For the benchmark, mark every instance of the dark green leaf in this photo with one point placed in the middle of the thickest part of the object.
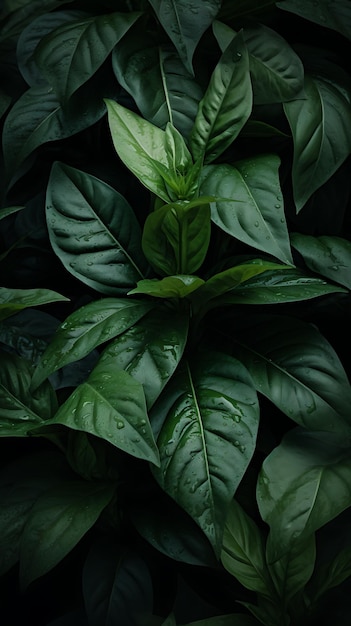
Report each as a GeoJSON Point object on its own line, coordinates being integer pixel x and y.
{"type": "Point", "coordinates": [293, 570]}
{"type": "Point", "coordinates": [320, 125]}
{"type": "Point", "coordinates": [294, 366]}
{"type": "Point", "coordinates": [14, 23]}
{"type": "Point", "coordinates": [5, 100]}
{"type": "Point", "coordinates": [243, 553]}
{"type": "Point", "coordinates": [209, 413]}
{"type": "Point", "coordinates": [14, 300]}
{"type": "Point", "coordinates": [326, 255]}
{"type": "Point", "coordinates": [73, 52]}
{"type": "Point", "coordinates": [243, 8]}
{"type": "Point", "coordinates": [85, 329]}
{"type": "Point", "coordinates": [150, 350]}
{"type": "Point", "coordinates": [93, 231]}
{"type": "Point", "coordinates": [304, 483]}
{"type": "Point", "coordinates": [185, 22]}
{"type": "Point", "coordinates": [9, 211]}
{"type": "Point", "coordinates": [110, 405]}
{"type": "Point", "coordinates": [335, 15]}
{"type": "Point", "coordinates": [226, 105]}
{"type": "Point", "coordinates": [234, 619]}
{"type": "Point", "coordinates": [250, 204]}
{"type": "Point", "coordinates": [57, 522]}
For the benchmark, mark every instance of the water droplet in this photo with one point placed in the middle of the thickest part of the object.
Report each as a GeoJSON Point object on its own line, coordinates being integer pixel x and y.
{"type": "Point", "coordinates": [257, 224]}
{"type": "Point", "coordinates": [120, 424]}
{"type": "Point", "coordinates": [237, 418]}
{"type": "Point", "coordinates": [277, 206]}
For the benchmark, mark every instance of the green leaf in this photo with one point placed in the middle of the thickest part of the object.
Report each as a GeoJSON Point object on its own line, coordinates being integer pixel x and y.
{"type": "Point", "coordinates": [210, 418]}
{"type": "Point", "coordinates": [226, 105]}
{"type": "Point", "coordinates": [243, 8]}
{"type": "Point", "coordinates": [110, 405]}
{"type": "Point", "coordinates": [150, 350]}
{"type": "Point", "coordinates": [85, 329]}
{"type": "Point", "coordinates": [294, 366]}
{"type": "Point", "coordinates": [303, 484]}
{"type": "Point", "coordinates": [293, 570]}
{"type": "Point", "coordinates": [14, 23]}
{"type": "Point", "coordinates": [250, 204]}
{"type": "Point", "coordinates": [185, 22]}
{"type": "Point", "coordinates": [320, 125]}
{"type": "Point", "coordinates": [243, 553]}
{"type": "Point", "coordinates": [9, 211]}
{"type": "Point", "coordinates": [14, 300]}
{"type": "Point", "coordinates": [57, 522]}
{"type": "Point", "coordinates": [176, 236]}
{"type": "Point", "coordinates": [94, 231]}
{"type": "Point", "coordinates": [73, 52]}
{"type": "Point", "coordinates": [286, 285]}
{"type": "Point", "coordinates": [155, 77]}
{"type": "Point", "coordinates": [277, 72]}
{"type": "Point", "coordinates": [5, 101]}
{"type": "Point", "coordinates": [20, 409]}
{"type": "Point", "coordinates": [334, 15]}
{"type": "Point", "coordinates": [234, 619]}
{"type": "Point", "coordinates": [138, 144]}
{"type": "Point", "coordinates": [326, 255]}
{"type": "Point", "coordinates": [170, 287]}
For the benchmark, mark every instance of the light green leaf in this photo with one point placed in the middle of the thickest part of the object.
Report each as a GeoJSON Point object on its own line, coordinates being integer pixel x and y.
{"type": "Point", "coordinates": [73, 52]}
{"type": "Point", "coordinates": [294, 366]}
{"type": "Point", "coordinates": [320, 125]}
{"type": "Point", "coordinates": [326, 255]}
{"type": "Point", "coordinates": [226, 105]}
{"type": "Point", "coordinates": [170, 287]}
{"type": "Point", "coordinates": [110, 405]}
{"type": "Point", "coordinates": [250, 203]}
{"type": "Point", "coordinates": [14, 300]}
{"type": "Point", "coordinates": [150, 350]}
{"type": "Point", "coordinates": [303, 484]}
{"type": "Point", "coordinates": [185, 22]}
{"type": "Point", "coordinates": [94, 231]}
{"type": "Point", "coordinates": [243, 553]}
{"type": "Point", "coordinates": [335, 15]}
{"type": "Point", "coordinates": [138, 144]}
{"type": "Point", "coordinates": [85, 329]}
{"type": "Point", "coordinates": [209, 413]}
{"type": "Point", "coordinates": [57, 522]}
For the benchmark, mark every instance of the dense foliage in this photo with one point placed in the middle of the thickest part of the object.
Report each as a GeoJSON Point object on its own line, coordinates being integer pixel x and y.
{"type": "Point", "coordinates": [175, 293]}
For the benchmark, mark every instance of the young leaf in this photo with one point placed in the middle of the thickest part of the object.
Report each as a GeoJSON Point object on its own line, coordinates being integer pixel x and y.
{"type": "Point", "coordinates": [185, 22]}
{"type": "Point", "coordinates": [170, 287]}
{"type": "Point", "coordinates": [303, 484]}
{"type": "Point", "coordinates": [249, 203]}
{"type": "Point", "coordinates": [14, 300]}
{"type": "Point", "coordinates": [110, 405]}
{"type": "Point", "coordinates": [57, 522]}
{"type": "Point", "coordinates": [73, 52]}
{"type": "Point", "coordinates": [294, 366]}
{"type": "Point", "coordinates": [327, 255]}
{"type": "Point", "coordinates": [150, 350]}
{"type": "Point", "coordinates": [210, 416]}
{"type": "Point", "coordinates": [320, 126]}
{"type": "Point", "coordinates": [243, 553]}
{"type": "Point", "coordinates": [94, 231]}
{"type": "Point", "coordinates": [85, 329]}
{"type": "Point", "coordinates": [139, 145]}
{"type": "Point", "coordinates": [226, 105]}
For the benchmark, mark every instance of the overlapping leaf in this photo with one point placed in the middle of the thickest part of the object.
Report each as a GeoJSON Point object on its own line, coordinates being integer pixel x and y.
{"type": "Point", "coordinates": [94, 231]}
{"type": "Point", "coordinates": [335, 15]}
{"type": "Point", "coordinates": [294, 569]}
{"type": "Point", "coordinates": [329, 256]}
{"type": "Point", "coordinates": [210, 419]}
{"type": "Point", "coordinates": [14, 300]}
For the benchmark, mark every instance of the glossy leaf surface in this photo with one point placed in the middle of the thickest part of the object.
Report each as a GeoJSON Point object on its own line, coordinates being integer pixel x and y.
{"type": "Point", "coordinates": [14, 300]}
{"type": "Point", "coordinates": [294, 569]}
{"type": "Point", "coordinates": [327, 255]}
{"type": "Point", "coordinates": [178, 286]}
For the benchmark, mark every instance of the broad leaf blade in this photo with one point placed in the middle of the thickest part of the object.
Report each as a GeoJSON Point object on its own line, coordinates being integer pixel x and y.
{"type": "Point", "coordinates": [294, 366]}
{"type": "Point", "coordinates": [320, 126]}
{"type": "Point", "coordinates": [57, 522]}
{"type": "Point", "coordinates": [150, 350]}
{"type": "Point", "coordinates": [226, 105]}
{"type": "Point", "coordinates": [85, 329]}
{"type": "Point", "coordinates": [72, 53]}
{"type": "Point", "coordinates": [93, 231]}
{"type": "Point", "coordinates": [210, 419]}
{"type": "Point", "coordinates": [335, 15]}
{"type": "Point", "coordinates": [304, 483]}
{"type": "Point", "coordinates": [250, 204]}
{"type": "Point", "coordinates": [327, 255]}
{"type": "Point", "coordinates": [14, 300]}
{"type": "Point", "coordinates": [294, 569]}
{"type": "Point", "coordinates": [185, 22]}
{"type": "Point", "coordinates": [179, 286]}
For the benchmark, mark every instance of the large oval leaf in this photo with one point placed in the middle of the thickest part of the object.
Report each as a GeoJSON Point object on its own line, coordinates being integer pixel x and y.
{"type": "Point", "coordinates": [73, 52]}
{"type": "Point", "coordinates": [320, 124]}
{"type": "Point", "coordinates": [85, 329]}
{"type": "Point", "coordinates": [93, 231]}
{"type": "Point", "coordinates": [335, 15]}
{"type": "Point", "coordinates": [304, 483]}
{"type": "Point", "coordinates": [249, 203]}
{"type": "Point", "coordinates": [326, 255]}
{"type": "Point", "coordinates": [294, 366]}
{"type": "Point", "coordinates": [209, 415]}
{"type": "Point", "coordinates": [226, 105]}
{"type": "Point", "coordinates": [150, 350]}
{"type": "Point", "coordinates": [14, 300]}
